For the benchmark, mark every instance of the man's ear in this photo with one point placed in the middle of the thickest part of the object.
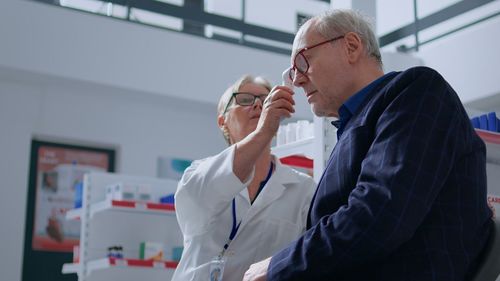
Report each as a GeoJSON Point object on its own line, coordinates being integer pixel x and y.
{"type": "Point", "coordinates": [354, 46]}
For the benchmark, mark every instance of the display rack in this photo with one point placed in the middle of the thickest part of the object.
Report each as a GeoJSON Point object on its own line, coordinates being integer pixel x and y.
{"type": "Point", "coordinates": [311, 153]}
{"type": "Point", "coordinates": [107, 222]}
{"type": "Point", "coordinates": [302, 148]}
{"type": "Point", "coordinates": [107, 263]}
{"type": "Point", "coordinates": [131, 206]}
{"type": "Point", "coordinates": [492, 141]}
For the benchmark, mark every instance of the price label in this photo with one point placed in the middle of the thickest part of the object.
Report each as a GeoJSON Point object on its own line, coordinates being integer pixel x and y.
{"type": "Point", "coordinates": [158, 264]}
{"type": "Point", "coordinates": [121, 262]}
{"type": "Point", "coordinates": [141, 206]}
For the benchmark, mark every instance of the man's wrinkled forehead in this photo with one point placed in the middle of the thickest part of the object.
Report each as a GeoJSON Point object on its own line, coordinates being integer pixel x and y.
{"type": "Point", "coordinates": [299, 41]}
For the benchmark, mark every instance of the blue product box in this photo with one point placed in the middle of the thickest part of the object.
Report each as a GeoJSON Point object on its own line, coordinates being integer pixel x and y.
{"type": "Point", "coordinates": [168, 199]}
{"type": "Point", "coordinates": [483, 122]}
{"type": "Point", "coordinates": [177, 253]}
{"type": "Point", "coordinates": [475, 122]}
{"type": "Point", "coordinates": [78, 195]}
{"type": "Point", "coordinates": [492, 122]}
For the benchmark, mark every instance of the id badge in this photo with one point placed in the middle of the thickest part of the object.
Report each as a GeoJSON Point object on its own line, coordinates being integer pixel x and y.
{"type": "Point", "coordinates": [217, 268]}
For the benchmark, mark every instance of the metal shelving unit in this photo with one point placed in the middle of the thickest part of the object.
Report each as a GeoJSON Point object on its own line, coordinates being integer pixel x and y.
{"type": "Point", "coordinates": [492, 141]}
{"type": "Point", "coordinates": [311, 153]}
{"type": "Point", "coordinates": [106, 222]}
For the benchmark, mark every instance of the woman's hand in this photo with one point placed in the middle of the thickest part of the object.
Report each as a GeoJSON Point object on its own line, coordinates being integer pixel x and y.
{"type": "Point", "coordinates": [279, 104]}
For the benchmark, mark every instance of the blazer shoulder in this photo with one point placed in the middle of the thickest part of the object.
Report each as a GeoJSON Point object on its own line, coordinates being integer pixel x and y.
{"type": "Point", "coordinates": [415, 79]}
{"type": "Point", "coordinates": [419, 72]}
{"type": "Point", "coordinates": [418, 82]}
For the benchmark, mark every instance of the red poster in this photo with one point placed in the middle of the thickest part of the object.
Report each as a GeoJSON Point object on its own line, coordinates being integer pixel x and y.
{"type": "Point", "coordinates": [59, 172]}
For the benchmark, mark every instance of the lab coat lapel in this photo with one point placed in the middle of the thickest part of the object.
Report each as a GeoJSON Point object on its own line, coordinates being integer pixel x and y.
{"type": "Point", "coordinates": [268, 195]}
{"type": "Point", "coordinates": [271, 192]}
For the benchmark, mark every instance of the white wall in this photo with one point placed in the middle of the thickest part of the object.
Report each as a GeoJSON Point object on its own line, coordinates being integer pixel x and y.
{"type": "Point", "coordinates": [281, 14]}
{"type": "Point", "coordinates": [17, 117]}
{"type": "Point", "coordinates": [468, 59]}
{"type": "Point", "coordinates": [72, 44]}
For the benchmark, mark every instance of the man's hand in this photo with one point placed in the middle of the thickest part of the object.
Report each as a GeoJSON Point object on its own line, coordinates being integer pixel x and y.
{"type": "Point", "coordinates": [257, 271]}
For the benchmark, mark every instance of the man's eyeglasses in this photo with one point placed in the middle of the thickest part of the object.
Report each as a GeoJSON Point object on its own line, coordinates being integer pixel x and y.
{"type": "Point", "coordinates": [300, 62]}
{"type": "Point", "coordinates": [244, 99]}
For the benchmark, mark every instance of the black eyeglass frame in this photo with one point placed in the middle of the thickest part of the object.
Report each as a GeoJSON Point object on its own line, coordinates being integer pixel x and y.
{"type": "Point", "coordinates": [255, 97]}
{"type": "Point", "coordinates": [294, 68]}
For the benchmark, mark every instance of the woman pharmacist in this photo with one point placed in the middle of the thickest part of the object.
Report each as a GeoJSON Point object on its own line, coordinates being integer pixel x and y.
{"type": "Point", "coordinates": [241, 205]}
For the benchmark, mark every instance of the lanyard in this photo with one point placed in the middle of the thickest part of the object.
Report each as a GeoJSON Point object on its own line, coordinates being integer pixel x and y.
{"type": "Point", "coordinates": [235, 227]}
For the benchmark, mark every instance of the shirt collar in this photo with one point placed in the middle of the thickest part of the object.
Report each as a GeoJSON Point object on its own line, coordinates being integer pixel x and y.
{"type": "Point", "coordinates": [352, 104]}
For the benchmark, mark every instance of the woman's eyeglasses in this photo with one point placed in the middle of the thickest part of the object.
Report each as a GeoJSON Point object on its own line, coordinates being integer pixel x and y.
{"type": "Point", "coordinates": [244, 99]}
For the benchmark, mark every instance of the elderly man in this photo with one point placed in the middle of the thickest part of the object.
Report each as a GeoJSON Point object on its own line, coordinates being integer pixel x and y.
{"type": "Point", "coordinates": [403, 196]}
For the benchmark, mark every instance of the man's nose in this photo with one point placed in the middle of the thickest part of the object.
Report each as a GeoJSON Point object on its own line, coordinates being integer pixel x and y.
{"type": "Point", "coordinates": [299, 79]}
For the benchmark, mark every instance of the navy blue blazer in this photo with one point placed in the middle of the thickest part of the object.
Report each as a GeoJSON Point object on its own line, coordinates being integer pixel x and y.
{"type": "Point", "coordinates": [403, 196]}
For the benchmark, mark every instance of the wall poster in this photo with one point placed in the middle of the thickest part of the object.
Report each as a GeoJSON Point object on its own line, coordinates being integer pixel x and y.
{"type": "Point", "coordinates": [55, 186]}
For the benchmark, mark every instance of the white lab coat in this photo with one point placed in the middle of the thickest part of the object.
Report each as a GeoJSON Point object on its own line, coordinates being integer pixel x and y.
{"type": "Point", "coordinates": [203, 203]}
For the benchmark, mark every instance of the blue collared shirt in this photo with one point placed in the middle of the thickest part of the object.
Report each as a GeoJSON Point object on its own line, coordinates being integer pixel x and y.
{"type": "Point", "coordinates": [351, 105]}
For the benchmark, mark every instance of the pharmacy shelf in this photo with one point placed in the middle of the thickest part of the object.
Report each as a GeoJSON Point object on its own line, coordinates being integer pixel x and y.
{"type": "Point", "coordinates": [74, 214]}
{"type": "Point", "coordinates": [298, 148]}
{"type": "Point", "coordinates": [132, 206]}
{"type": "Point", "coordinates": [492, 140]}
{"type": "Point", "coordinates": [297, 161]}
{"type": "Point", "coordinates": [70, 268]}
{"type": "Point", "coordinates": [105, 222]}
{"type": "Point", "coordinates": [127, 269]}
{"type": "Point", "coordinates": [488, 136]}
{"type": "Point", "coordinates": [298, 153]}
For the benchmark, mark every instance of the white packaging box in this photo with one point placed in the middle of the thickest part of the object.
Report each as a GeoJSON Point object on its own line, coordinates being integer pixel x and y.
{"type": "Point", "coordinates": [110, 192]}
{"type": "Point", "coordinates": [144, 193]}
{"type": "Point", "coordinates": [151, 251]}
{"type": "Point", "coordinates": [121, 192]}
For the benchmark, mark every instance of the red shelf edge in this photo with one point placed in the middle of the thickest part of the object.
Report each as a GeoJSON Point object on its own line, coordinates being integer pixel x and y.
{"type": "Point", "coordinates": [143, 263]}
{"type": "Point", "coordinates": [297, 161]}
{"type": "Point", "coordinates": [150, 206]}
{"type": "Point", "coordinates": [488, 136]}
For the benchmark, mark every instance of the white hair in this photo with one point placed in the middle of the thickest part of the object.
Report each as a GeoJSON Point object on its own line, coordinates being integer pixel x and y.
{"type": "Point", "coordinates": [338, 22]}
